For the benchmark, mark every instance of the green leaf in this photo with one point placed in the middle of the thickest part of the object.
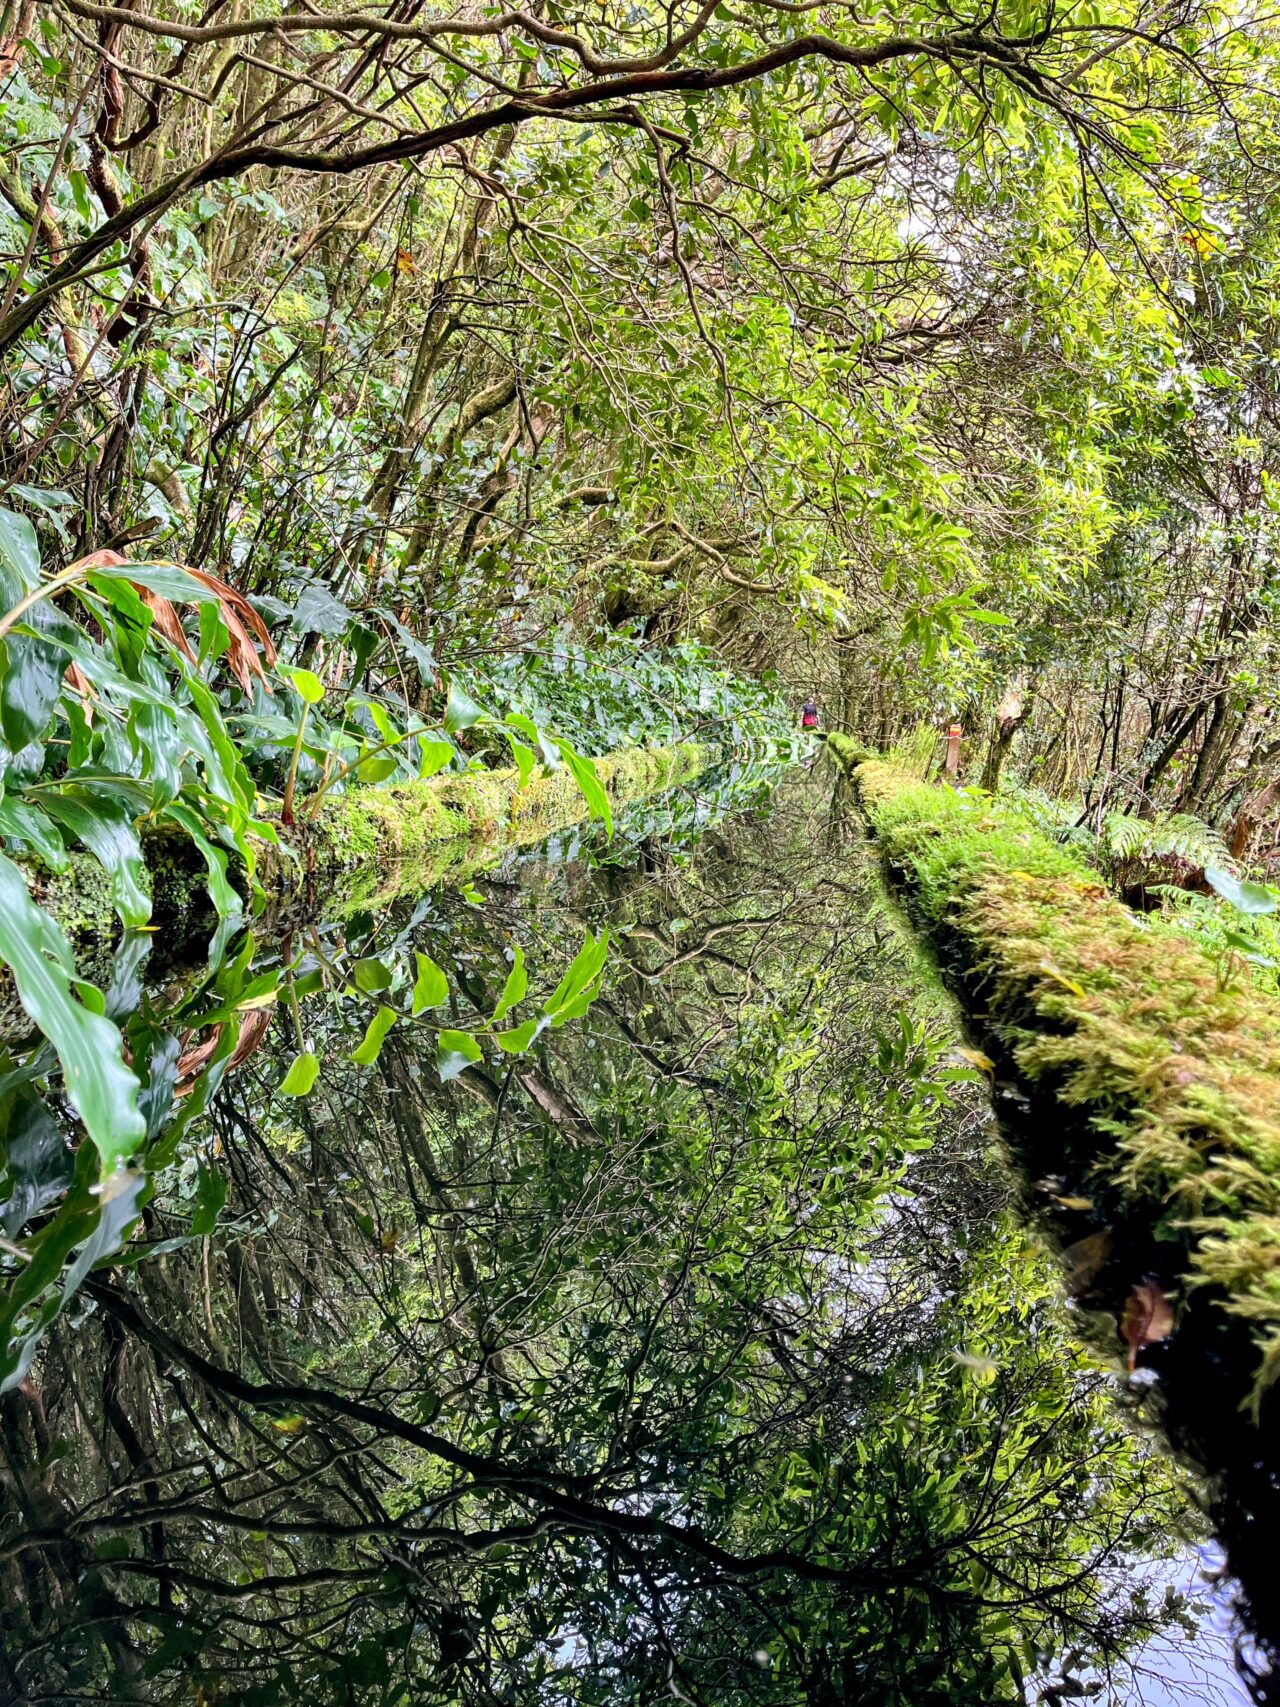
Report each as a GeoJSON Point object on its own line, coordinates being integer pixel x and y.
{"type": "Point", "coordinates": [101, 1088]}
{"type": "Point", "coordinates": [371, 976]}
{"type": "Point", "coordinates": [19, 558]}
{"type": "Point", "coordinates": [524, 756]}
{"type": "Point", "coordinates": [307, 683]}
{"type": "Point", "coordinates": [17, 818]}
{"type": "Point", "coordinates": [593, 792]}
{"type": "Point", "coordinates": [431, 987]}
{"type": "Point", "coordinates": [461, 711]}
{"type": "Point", "coordinates": [318, 612]}
{"type": "Point", "coordinates": [378, 1028]}
{"type": "Point", "coordinates": [518, 1039]}
{"type": "Point", "coordinates": [455, 1052]}
{"type": "Point", "coordinates": [211, 1194]}
{"type": "Point", "coordinates": [435, 755]}
{"type": "Point", "coordinates": [1244, 897]}
{"type": "Point", "coordinates": [513, 990]}
{"type": "Point", "coordinates": [585, 967]}
{"type": "Point", "coordinates": [37, 1162]}
{"type": "Point", "coordinates": [302, 1075]}
{"type": "Point", "coordinates": [30, 686]}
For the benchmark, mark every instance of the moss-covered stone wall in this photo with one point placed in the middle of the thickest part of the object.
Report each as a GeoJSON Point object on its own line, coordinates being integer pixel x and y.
{"type": "Point", "coordinates": [379, 830]}
{"type": "Point", "coordinates": [367, 846]}
{"type": "Point", "coordinates": [1172, 1059]}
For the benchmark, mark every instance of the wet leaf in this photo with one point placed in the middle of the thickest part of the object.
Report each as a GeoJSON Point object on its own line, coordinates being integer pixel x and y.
{"type": "Point", "coordinates": [31, 671]}
{"type": "Point", "coordinates": [101, 1088]}
{"type": "Point", "coordinates": [105, 826]}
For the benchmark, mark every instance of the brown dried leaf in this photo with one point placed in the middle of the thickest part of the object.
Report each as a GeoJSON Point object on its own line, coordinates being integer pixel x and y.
{"type": "Point", "coordinates": [76, 679]}
{"type": "Point", "coordinates": [253, 1028]}
{"type": "Point", "coordinates": [166, 619]}
{"type": "Point", "coordinates": [99, 560]}
{"type": "Point", "coordinates": [237, 602]}
{"type": "Point", "coordinates": [1147, 1319]}
{"type": "Point", "coordinates": [193, 1060]}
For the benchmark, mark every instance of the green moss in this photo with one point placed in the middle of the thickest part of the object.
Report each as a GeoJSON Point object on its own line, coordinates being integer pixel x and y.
{"type": "Point", "coordinates": [1129, 1021]}
{"type": "Point", "coordinates": [375, 839]}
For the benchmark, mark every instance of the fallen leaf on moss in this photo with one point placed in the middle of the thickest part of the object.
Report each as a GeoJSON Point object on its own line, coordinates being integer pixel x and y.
{"type": "Point", "coordinates": [1061, 978]}
{"type": "Point", "coordinates": [976, 1058]}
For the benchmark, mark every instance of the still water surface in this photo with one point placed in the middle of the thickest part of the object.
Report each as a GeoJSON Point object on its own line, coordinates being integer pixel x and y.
{"type": "Point", "coordinates": [700, 1354]}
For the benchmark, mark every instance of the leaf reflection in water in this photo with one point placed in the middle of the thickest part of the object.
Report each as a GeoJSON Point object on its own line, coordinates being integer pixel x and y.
{"type": "Point", "coordinates": [695, 1353]}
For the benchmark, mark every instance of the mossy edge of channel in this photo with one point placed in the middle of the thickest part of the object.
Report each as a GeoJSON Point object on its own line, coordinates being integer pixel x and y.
{"type": "Point", "coordinates": [375, 832]}
{"type": "Point", "coordinates": [375, 839]}
{"type": "Point", "coordinates": [365, 848]}
{"type": "Point", "coordinates": [1176, 1068]}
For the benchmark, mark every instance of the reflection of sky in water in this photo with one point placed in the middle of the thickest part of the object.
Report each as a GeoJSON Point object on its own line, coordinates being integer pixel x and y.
{"type": "Point", "coordinates": [1177, 1668]}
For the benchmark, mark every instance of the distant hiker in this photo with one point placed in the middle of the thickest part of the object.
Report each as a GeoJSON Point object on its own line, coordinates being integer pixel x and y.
{"type": "Point", "coordinates": [808, 715]}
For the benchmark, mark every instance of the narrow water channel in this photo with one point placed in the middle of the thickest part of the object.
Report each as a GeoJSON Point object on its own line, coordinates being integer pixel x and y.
{"type": "Point", "coordinates": [701, 1354]}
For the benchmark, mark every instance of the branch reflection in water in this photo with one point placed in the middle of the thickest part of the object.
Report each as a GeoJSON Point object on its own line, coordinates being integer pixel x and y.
{"type": "Point", "coordinates": [696, 1354]}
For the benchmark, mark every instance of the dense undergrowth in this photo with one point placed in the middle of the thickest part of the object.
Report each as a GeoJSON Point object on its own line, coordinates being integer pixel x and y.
{"type": "Point", "coordinates": [178, 765]}
{"type": "Point", "coordinates": [1171, 1053]}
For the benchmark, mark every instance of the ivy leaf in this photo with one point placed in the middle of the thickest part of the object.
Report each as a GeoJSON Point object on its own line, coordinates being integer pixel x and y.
{"type": "Point", "coordinates": [435, 756]}
{"type": "Point", "coordinates": [461, 711]}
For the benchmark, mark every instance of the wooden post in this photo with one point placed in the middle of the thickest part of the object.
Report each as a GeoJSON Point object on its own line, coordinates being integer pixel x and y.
{"type": "Point", "coordinates": [952, 763]}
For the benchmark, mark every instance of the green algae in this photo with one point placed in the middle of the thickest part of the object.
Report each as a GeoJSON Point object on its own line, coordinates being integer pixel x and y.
{"type": "Point", "coordinates": [1175, 1068]}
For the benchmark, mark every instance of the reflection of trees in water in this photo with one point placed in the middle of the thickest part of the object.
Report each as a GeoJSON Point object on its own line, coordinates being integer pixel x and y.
{"type": "Point", "coordinates": [628, 1371]}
